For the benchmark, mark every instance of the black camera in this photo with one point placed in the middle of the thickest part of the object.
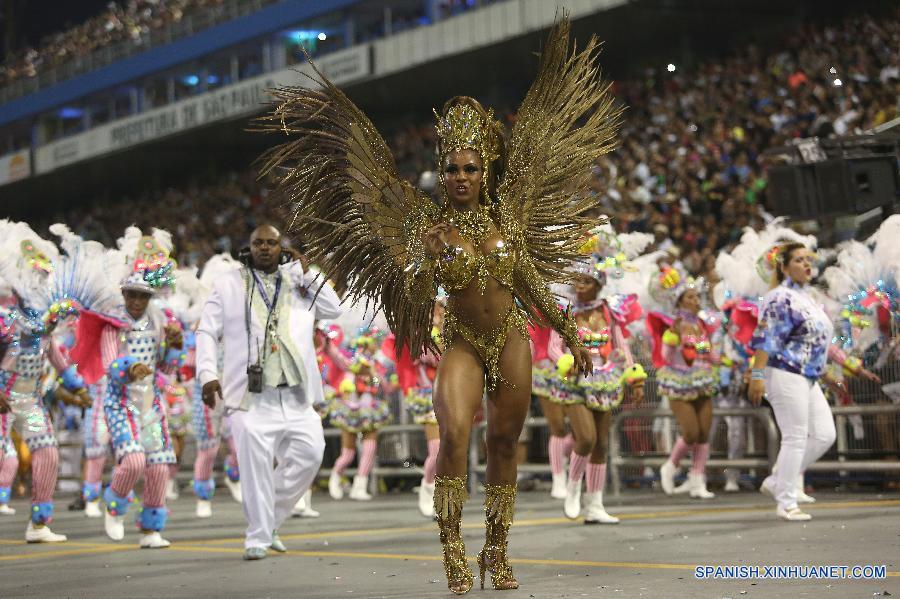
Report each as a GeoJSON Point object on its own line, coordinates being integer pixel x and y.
{"type": "Point", "coordinates": [244, 256]}
{"type": "Point", "coordinates": [255, 378]}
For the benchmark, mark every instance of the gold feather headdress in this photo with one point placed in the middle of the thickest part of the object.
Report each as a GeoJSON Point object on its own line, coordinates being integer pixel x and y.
{"type": "Point", "coordinates": [462, 127]}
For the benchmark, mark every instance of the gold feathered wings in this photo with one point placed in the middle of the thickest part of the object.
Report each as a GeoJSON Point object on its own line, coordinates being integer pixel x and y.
{"type": "Point", "coordinates": [363, 224]}
{"type": "Point", "coordinates": [338, 179]}
{"type": "Point", "coordinates": [567, 120]}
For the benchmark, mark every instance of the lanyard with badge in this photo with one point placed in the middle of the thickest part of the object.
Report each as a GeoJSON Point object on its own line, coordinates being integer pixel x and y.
{"type": "Point", "coordinates": [255, 371]}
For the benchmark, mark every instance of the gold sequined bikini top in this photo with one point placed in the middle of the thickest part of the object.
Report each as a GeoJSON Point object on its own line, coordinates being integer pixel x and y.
{"type": "Point", "coordinates": [456, 267]}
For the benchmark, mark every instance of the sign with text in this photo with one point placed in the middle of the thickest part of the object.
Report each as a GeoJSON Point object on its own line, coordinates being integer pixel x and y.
{"type": "Point", "coordinates": [233, 101]}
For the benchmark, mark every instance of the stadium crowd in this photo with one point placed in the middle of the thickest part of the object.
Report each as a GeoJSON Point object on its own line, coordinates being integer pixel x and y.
{"type": "Point", "coordinates": [120, 22]}
{"type": "Point", "coordinates": [131, 20]}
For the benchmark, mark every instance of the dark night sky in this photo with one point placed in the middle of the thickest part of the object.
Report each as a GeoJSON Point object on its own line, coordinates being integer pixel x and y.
{"type": "Point", "coordinates": [32, 19]}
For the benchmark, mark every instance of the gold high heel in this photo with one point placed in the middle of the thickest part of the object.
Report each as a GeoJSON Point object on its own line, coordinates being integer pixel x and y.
{"type": "Point", "coordinates": [449, 496]}
{"type": "Point", "coordinates": [499, 505]}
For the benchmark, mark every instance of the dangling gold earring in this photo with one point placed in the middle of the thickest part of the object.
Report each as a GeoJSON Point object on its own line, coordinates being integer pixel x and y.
{"type": "Point", "coordinates": [484, 198]}
{"type": "Point", "coordinates": [445, 199]}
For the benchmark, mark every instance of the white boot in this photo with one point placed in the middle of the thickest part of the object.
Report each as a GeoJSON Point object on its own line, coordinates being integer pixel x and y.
{"type": "Point", "coordinates": [334, 486]}
{"type": "Point", "coordinates": [92, 509]}
{"type": "Point", "coordinates": [697, 484]}
{"type": "Point", "coordinates": [594, 512]}
{"type": "Point", "coordinates": [667, 474]}
{"type": "Point", "coordinates": [171, 489]}
{"type": "Point", "coordinates": [683, 488]}
{"type": "Point", "coordinates": [358, 490]}
{"type": "Point", "coordinates": [153, 540]}
{"type": "Point", "coordinates": [42, 534]}
{"type": "Point", "coordinates": [731, 481]}
{"type": "Point", "coordinates": [5, 510]}
{"type": "Point", "coordinates": [558, 490]}
{"type": "Point", "coordinates": [114, 526]}
{"type": "Point", "coordinates": [802, 497]}
{"type": "Point", "coordinates": [768, 486]}
{"type": "Point", "coordinates": [204, 508]}
{"type": "Point", "coordinates": [572, 504]}
{"type": "Point", "coordinates": [234, 487]}
{"type": "Point", "coordinates": [298, 508]}
{"type": "Point", "coordinates": [793, 514]}
{"type": "Point", "coordinates": [304, 508]}
{"type": "Point", "coordinates": [309, 512]}
{"type": "Point", "coordinates": [426, 499]}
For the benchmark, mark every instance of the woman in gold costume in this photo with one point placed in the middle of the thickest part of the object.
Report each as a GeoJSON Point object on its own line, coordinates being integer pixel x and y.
{"type": "Point", "coordinates": [507, 228]}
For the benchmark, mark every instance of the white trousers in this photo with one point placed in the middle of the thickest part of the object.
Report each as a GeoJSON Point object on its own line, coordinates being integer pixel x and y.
{"type": "Point", "coordinates": [737, 425]}
{"type": "Point", "coordinates": [806, 424]}
{"type": "Point", "coordinates": [279, 427]}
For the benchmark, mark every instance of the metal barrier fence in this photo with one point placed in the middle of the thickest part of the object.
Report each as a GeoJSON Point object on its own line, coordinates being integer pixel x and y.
{"type": "Point", "coordinates": [842, 462]}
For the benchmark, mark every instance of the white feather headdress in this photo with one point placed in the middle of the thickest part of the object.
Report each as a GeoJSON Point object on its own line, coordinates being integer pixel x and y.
{"type": "Point", "coordinates": [88, 272]}
{"type": "Point", "coordinates": [863, 280]}
{"type": "Point", "coordinates": [26, 262]}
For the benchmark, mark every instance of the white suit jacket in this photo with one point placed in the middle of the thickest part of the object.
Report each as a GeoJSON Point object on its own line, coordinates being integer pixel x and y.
{"type": "Point", "coordinates": [223, 323]}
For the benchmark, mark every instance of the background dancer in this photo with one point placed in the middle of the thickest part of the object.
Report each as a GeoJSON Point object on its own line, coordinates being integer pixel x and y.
{"type": "Point", "coordinates": [416, 381]}
{"type": "Point", "coordinates": [359, 408]}
{"type": "Point", "coordinates": [131, 349]}
{"type": "Point", "coordinates": [27, 263]}
{"type": "Point", "coordinates": [682, 353]}
{"type": "Point", "coordinates": [209, 425]}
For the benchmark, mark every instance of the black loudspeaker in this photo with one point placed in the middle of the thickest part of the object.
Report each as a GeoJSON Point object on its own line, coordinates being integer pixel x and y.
{"type": "Point", "coordinates": [793, 191]}
{"type": "Point", "coordinates": [833, 185]}
{"type": "Point", "coordinates": [836, 186]}
{"type": "Point", "coordinates": [873, 182]}
{"type": "Point", "coordinates": [856, 185]}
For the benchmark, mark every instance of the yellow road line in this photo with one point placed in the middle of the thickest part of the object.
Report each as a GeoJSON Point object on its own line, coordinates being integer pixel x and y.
{"type": "Point", "coordinates": [63, 544]}
{"type": "Point", "coordinates": [329, 534]}
{"type": "Point", "coordinates": [437, 558]}
{"type": "Point", "coordinates": [707, 511]}
{"type": "Point", "coordinates": [587, 564]}
{"type": "Point", "coordinates": [66, 552]}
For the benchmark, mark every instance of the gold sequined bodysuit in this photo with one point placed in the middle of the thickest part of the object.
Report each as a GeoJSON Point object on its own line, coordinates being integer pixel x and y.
{"type": "Point", "coordinates": [455, 270]}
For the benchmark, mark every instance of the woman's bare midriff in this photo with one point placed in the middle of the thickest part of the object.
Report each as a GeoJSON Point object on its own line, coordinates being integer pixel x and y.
{"type": "Point", "coordinates": [481, 312]}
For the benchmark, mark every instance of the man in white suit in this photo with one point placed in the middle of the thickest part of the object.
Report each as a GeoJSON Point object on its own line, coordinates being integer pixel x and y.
{"type": "Point", "coordinates": [262, 315]}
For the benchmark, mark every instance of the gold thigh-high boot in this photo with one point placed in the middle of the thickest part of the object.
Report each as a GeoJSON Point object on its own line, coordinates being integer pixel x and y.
{"type": "Point", "coordinates": [499, 505]}
{"type": "Point", "coordinates": [450, 494]}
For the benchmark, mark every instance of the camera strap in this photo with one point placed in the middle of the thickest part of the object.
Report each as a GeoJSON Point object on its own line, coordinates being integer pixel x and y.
{"type": "Point", "coordinates": [271, 305]}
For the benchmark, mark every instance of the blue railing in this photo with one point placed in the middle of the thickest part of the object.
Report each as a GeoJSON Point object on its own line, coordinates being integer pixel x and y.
{"type": "Point", "coordinates": [122, 69]}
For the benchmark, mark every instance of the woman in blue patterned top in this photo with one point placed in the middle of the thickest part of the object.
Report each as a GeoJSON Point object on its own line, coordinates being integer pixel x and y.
{"type": "Point", "coordinates": [792, 344]}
